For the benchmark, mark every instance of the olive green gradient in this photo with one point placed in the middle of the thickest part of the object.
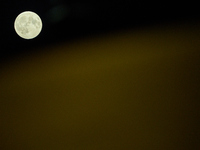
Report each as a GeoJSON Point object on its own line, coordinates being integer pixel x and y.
{"type": "Point", "coordinates": [128, 90]}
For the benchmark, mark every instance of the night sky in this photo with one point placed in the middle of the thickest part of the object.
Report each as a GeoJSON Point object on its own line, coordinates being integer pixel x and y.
{"type": "Point", "coordinates": [65, 21]}
{"type": "Point", "coordinates": [102, 75]}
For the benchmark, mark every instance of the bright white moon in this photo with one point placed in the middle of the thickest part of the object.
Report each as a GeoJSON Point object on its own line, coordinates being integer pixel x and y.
{"type": "Point", "coordinates": [28, 25]}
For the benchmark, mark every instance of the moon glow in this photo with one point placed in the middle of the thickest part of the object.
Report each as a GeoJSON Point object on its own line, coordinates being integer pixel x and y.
{"type": "Point", "coordinates": [28, 25]}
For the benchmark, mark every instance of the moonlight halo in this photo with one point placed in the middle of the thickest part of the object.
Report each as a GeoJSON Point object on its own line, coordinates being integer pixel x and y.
{"type": "Point", "coordinates": [28, 25]}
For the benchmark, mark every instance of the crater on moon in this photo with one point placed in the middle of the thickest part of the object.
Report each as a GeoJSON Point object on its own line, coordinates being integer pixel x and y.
{"type": "Point", "coordinates": [28, 25]}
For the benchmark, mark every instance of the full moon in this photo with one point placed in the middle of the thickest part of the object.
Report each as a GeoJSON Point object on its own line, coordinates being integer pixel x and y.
{"type": "Point", "coordinates": [28, 25]}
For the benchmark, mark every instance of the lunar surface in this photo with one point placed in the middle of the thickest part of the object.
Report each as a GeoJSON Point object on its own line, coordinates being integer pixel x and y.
{"type": "Point", "coordinates": [28, 25]}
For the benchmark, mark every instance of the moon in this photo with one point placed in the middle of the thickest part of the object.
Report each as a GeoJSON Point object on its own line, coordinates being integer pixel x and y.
{"type": "Point", "coordinates": [28, 25]}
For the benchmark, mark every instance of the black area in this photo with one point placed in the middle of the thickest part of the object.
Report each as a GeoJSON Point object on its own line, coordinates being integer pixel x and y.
{"type": "Point", "coordinates": [86, 18]}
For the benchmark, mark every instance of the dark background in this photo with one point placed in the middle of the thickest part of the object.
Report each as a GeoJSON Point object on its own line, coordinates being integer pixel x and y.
{"type": "Point", "coordinates": [69, 20]}
{"type": "Point", "coordinates": [116, 75]}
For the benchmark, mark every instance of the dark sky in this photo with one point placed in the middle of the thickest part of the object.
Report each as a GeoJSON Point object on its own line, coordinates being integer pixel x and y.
{"type": "Point", "coordinates": [68, 20]}
{"type": "Point", "coordinates": [116, 75]}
